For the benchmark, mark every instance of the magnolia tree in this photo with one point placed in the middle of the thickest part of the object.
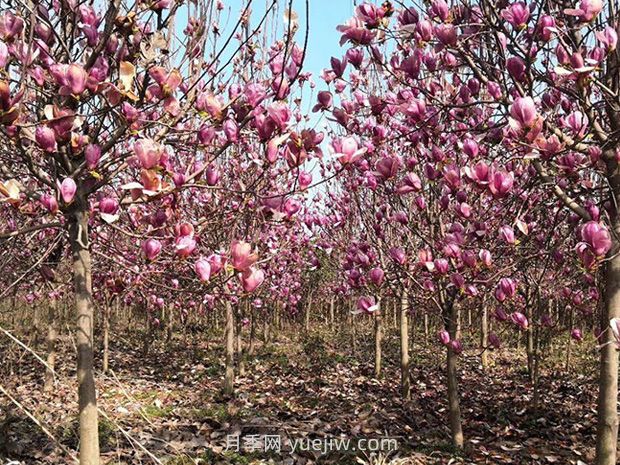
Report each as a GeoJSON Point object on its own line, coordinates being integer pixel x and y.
{"type": "Point", "coordinates": [116, 119]}
{"type": "Point", "coordinates": [511, 96]}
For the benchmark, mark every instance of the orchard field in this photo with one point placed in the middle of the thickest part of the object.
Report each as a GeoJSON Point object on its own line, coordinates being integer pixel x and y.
{"type": "Point", "coordinates": [301, 231]}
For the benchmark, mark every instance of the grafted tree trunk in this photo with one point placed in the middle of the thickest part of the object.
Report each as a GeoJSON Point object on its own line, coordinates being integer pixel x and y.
{"type": "Point", "coordinates": [229, 336]}
{"type": "Point", "coordinates": [378, 335]}
{"type": "Point", "coordinates": [240, 355]}
{"type": "Point", "coordinates": [106, 338]}
{"type": "Point", "coordinates": [607, 426]}
{"type": "Point", "coordinates": [484, 335]}
{"type": "Point", "coordinates": [530, 340]}
{"type": "Point", "coordinates": [252, 332]}
{"type": "Point", "coordinates": [454, 408]}
{"type": "Point", "coordinates": [569, 342]}
{"type": "Point", "coordinates": [307, 314]}
{"type": "Point", "coordinates": [48, 385]}
{"type": "Point", "coordinates": [82, 276]}
{"type": "Point", "coordinates": [404, 347]}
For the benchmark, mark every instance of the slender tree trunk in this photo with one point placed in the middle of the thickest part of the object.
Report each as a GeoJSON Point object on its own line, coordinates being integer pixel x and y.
{"type": "Point", "coordinates": [425, 328]}
{"type": "Point", "coordinates": [530, 342]}
{"type": "Point", "coordinates": [454, 408]}
{"type": "Point", "coordinates": [229, 332]}
{"type": "Point", "coordinates": [569, 343]}
{"type": "Point", "coordinates": [87, 398]}
{"type": "Point", "coordinates": [607, 427]}
{"type": "Point", "coordinates": [252, 333]}
{"type": "Point", "coordinates": [106, 338]}
{"type": "Point", "coordinates": [404, 347]}
{"type": "Point", "coordinates": [48, 386]}
{"type": "Point", "coordinates": [484, 335]}
{"type": "Point", "coordinates": [307, 314]}
{"type": "Point", "coordinates": [536, 378]}
{"type": "Point", "coordinates": [170, 324]}
{"type": "Point", "coordinates": [266, 331]}
{"type": "Point", "coordinates": [240, 355]}
{"type": "Point", "coordinates": [331, 312]}
{"type": "Point", "coordinates": [378, 335]}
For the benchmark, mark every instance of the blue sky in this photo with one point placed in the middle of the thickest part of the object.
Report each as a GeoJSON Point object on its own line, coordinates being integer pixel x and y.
{"type": "Point", "coordinates": [325, 16]}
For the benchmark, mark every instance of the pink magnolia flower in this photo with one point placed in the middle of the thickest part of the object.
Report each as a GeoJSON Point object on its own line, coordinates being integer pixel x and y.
{"type": "Point", "coordinates": [485, 257]}
{"type": "Point", "coordinates": [523, 113]}
{"type": "Point", "coordinates": [441, 265]}
{"type": "Point", "coordinates": [251, 279]}
{"type": "Point", "coordinates": [479, 173]}
{"type": "Point", "coordinates": [72, 78]}
{"type": "Point", "coordinates": [597, 237]}
{"type": "Point", "coordinates": [501, 183]}
{"type": "Point", "coordinates": [68, 189]}
{"type": "Point", "coordinates": [367, 304]}
{"type": "Point", "coordinates": [505, 289]}
{"type": "Point", "coordinates": [398, 255]}
{"type": "Point", "coordinates": [587, 11]}
{"type": "Point", "coordinates": [444, 337]}
{"type": "Point", "coordinates": [92, 155]}
{"type": "Point", "coordinates": [410, 183]}
{"type": "Point", "coordinates": [217, 263]}
{"type": "Point", "coordinates": [241, 254]}
{"type": "Point", "coordinates": [305, 179]}
{"type": "Point", "coordinates": [184, 246]}
{"type": "Point", "coordinates": [347, 150]}
{"type": "Point", "coordinates": [203, 269]}
{"type": "Point", "coordinates": [507, 234]}
{"type": "Point", "coordinates": [49, 202]}
{"type": "Point", "coordinates": [576, 334]}
{"type": "Point", "coordinates": [213, 174]}
{"type": "Point", "coordinates": [494, 341]}
{"type": "Point", "coordinates": [151, 248]}
{"type": "Point", "coordinates": [376, 275]}
{"type": "Point", "coordinates": [517, 15]}
{"type": "Point", "coordinates": [520, 320]}
{"type": "Point", "coordinates": [608, 37]}
{"type": "Point", "coordinates": [355, 31]}
{"type": "Point", "coordinates": [500, 314]}
{"type": "Point", "coordinates": [108, 205]}
{"type": "Point", "coordinates": [148, 152]}
{"type": "Point", "coordinates": [46, 138]}
{"type": "Point", "coordinates": [10, 25]}
{"type": "Point", "coordinates": [456, 346]}
{"type": "Point", "coordinates": [387, 167]}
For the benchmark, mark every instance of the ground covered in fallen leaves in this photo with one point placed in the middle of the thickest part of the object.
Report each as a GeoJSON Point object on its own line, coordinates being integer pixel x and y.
{"type": "Point", "coordinates": [166, 406]}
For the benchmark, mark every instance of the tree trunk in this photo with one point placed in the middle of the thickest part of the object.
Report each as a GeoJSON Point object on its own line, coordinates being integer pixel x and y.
{"type": "Point", "coordinates": [252, 333]}
{"type": "Point", "coordinates": [106, 338]}
{"type": "Point", "coordinates": [570, 340]}
{"type": "Point", "coordinates": [607, 427]}
{"type": "Point", "coordinates": [48, 386]}
{"type": "Point", "coordinates": [530, 341]}
{"type": "Point", "coordinates": [229, 331]}
{"type": "Point", "coordinates": [307, 314]}
{"type": "Point", "coordinates": [454, 408]}
{"type": "Point", "coordinates": [240, 356]}
{"type": "Point", "coordinates": [425, 328]}
{"type": "Point", "coordinates": [170, 324]}
{"type": "Point", "coordinates": [404, 348]}
{"type": "Point", "coordinates": [484, 336]}
{"type": "Point", "coordinates": [378, 340]}
{"type": "Point", "coordinates": [331, 312]}
{"type": "Point", "coordinates": [89, 430]}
